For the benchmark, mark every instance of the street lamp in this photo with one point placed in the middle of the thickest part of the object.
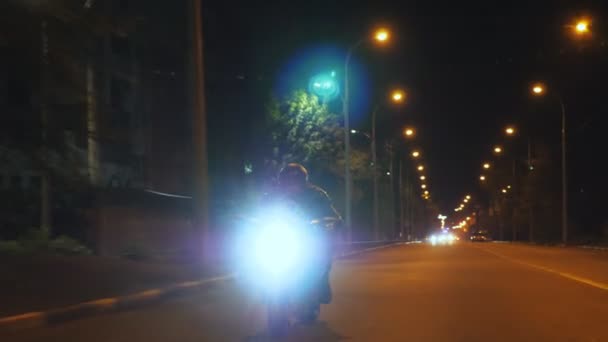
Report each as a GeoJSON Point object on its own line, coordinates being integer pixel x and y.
{"type": "Point", "coordinates": [482, 178]}
{"type": "Point", "coordinates": [397, 96]}
{"type": "Point", "coordinates": [538, 89]}
{"type": "Point", "coordinates": [497, 149]}
{"type": "Point", "coordinates": [563, 147]}
{"type": "Point", "coordinates": [420, 167]}
{"type": "Point", "coordinates": [468, 197]}
{"type": "Point", "coordinates": [581, 27]}
{"type": "Point", "coordinates": [409, 132]}
{"type": "Point", "coordinates": [422, 177]}
{"type": "Point", "coordinates": [423, 186]}
{"type": "Point", "coordinates": [381, 36]}
{"type": "Point", "coordinates": [510, 130]}
{"type": "Point", "coordinates": [486, 166]}
{"type": "Point", "coordinates": [415, 153]}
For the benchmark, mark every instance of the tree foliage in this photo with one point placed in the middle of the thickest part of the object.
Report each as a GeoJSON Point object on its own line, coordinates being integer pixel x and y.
{"type": "Point", "coordinates": [302, 129]}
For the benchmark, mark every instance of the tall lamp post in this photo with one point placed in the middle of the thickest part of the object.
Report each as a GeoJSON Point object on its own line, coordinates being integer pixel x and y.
{"type": "Point", "coordinates": [381, 36]}
{"type": "Point", "coordinates": [397, 97]}
{"type": "Point", "coordinates": [540, 90]}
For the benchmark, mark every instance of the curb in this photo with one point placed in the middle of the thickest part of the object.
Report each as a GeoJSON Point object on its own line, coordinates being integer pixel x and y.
{"type": "Point", "coordinates": [39, 319]}
{"type": "Point", "coordinates": [106, 305]}
{"type": "Point", "coordinates": [361, 251]}
{"type": "Point", "coordinates": [588, 247]}
{"type": "Point", "coordinates": [595, 248]}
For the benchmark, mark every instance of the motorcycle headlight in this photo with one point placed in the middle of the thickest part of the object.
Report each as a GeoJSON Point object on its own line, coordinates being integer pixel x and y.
{"type": "Point", "coordinates": [274, 246]}
{"type": "Point", "coordinates": [277, 249]}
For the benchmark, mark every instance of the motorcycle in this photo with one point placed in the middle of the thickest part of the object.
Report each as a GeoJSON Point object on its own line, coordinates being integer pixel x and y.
{"type": "Point", "coordinates": [286, 258]}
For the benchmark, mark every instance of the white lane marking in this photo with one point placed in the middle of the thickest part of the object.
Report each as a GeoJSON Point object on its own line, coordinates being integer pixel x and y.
{"type": "Point", "coordinates": [567, 275]}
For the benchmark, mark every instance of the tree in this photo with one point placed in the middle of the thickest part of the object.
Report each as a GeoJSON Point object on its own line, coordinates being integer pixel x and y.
{"type": "Point", "coordinates": [303, 130]}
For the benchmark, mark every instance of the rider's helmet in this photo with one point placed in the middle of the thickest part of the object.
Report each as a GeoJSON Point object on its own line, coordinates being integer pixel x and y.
{"type": "Point", "coordinates": [293, 174]}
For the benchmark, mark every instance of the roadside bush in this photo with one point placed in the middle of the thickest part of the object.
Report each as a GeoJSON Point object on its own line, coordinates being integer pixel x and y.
{"type": "Point", "coordinates": [37, 241]}
{"type": "Point", "coordinates": [135, 251]}
{"type": "Point", "coordinates": [67, 246]}
{"type": "Point", "coordinates": [10, 247]}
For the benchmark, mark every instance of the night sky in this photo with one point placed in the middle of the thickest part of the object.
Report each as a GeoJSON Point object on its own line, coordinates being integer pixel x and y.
{"type": "Point", "coordinates": [467, 68]}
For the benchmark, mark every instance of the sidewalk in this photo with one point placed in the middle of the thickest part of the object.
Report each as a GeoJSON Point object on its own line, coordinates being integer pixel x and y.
{"type": "Point", "coordinates": [37, 283]}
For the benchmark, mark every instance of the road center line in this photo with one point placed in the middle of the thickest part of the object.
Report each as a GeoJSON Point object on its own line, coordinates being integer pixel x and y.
{"type": "Point", "coordinates": [570, 276]}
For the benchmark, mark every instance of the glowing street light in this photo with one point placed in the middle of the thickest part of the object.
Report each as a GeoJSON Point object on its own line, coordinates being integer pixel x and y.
{"type": "Point", "coordinates": [423, 186]}
{"type": "Point", "coordinates": [581, 27]}
{"type": "Point", "coordinates": [420, 167]}
{"type": "Point", "coordinates": [468, 197]}
{"type": "Point", "coordinates": [497, 149]}
{"type": "Point", "coordinates": [409, 132]}
{"type": "Point", "coordinates": [416, 154]}
{"type": "Point", "coordinates": [422, 178]}
{"type": "Point", "coordinates": [486, 166]}
{"type": "Point", "coordinates": [382, 35]}
{"type": "Point", "coordinates": [504, 191]}
{"type": "Point", "coordinates": [482, 178]}
{"type": "Point", "coordinates": [538, 89]}
{"type": "Point", "coordinates": [426, 192]}
{"type": "Point", "coordinates": [397, 96]}
{"type": "Point", "coordinates": [510, 130]}
{"type": "Point", "coordinates": [466, 200]}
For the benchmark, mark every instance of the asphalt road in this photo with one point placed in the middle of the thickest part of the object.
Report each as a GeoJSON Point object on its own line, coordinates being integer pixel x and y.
{"type": "Point", "coordinates": [465, 292]}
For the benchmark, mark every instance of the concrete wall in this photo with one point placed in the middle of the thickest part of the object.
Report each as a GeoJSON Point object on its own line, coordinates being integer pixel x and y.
{"type": "Point", "coordinates": [144, 225]}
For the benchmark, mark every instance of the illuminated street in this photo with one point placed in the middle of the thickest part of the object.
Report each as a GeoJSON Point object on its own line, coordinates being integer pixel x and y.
{"type": "Point", "coordinates": [465, 292]}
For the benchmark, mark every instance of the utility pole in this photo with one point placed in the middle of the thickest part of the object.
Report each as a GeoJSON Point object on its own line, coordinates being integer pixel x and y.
{"type": "Point", "coordinates": [45, 184]}
{"type": "Point", "coordinates": [409, 208]}
{"type": "Point", "coordinates": [199, 134]}
{"type": "Point", "coordinates": [376, 215]}
{"type": "Point", "coordinates": [530, 201]}
{"type": "Point", "coordinates": [400, 192]}
{"type": "Point", "coordinates": [514, 188]}
{"type": "Point", "coordinates": [564, 177]}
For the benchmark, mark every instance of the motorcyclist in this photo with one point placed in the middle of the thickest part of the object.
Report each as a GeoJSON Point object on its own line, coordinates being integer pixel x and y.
{"type": "Point", "coordinates": [293, 184]}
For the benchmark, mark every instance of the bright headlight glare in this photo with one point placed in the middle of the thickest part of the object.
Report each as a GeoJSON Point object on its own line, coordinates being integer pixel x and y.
{"type": "Point", "coordinates": [277, 248]}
